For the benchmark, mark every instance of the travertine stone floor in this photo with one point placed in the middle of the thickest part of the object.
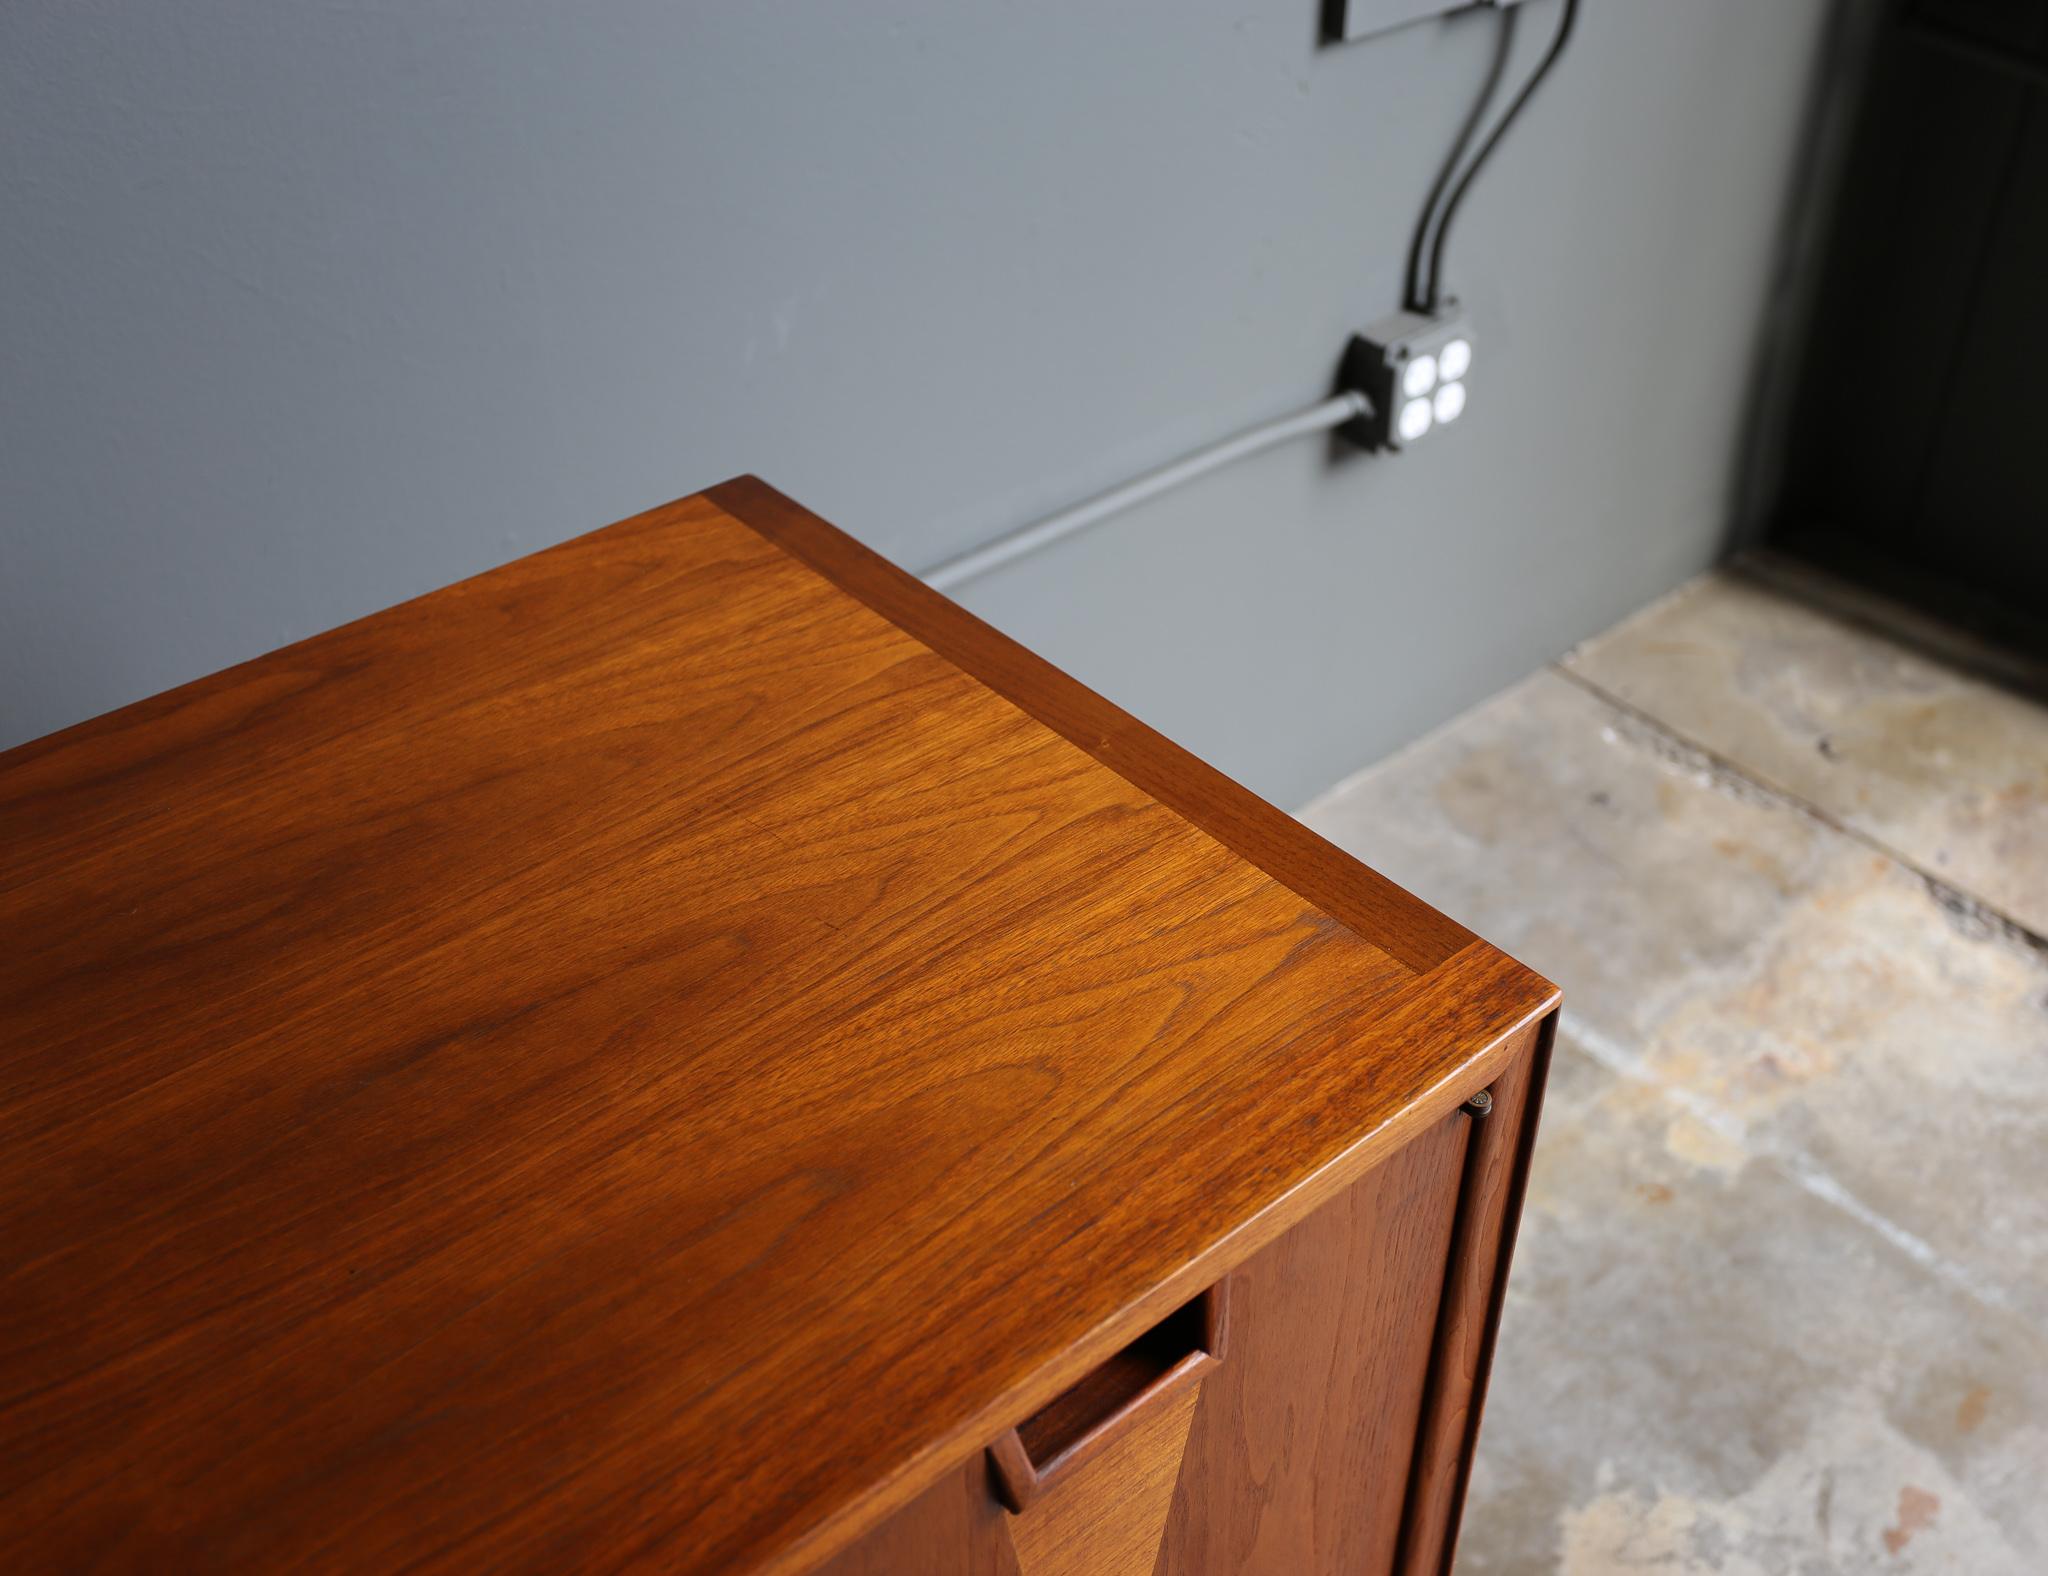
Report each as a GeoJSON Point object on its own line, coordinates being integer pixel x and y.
{"type": "Point", "coordinates": [1781, 1299]}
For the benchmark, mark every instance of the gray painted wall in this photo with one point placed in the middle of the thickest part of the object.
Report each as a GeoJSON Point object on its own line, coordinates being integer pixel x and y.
{"type": "Point", "coordinates": [307, 308]}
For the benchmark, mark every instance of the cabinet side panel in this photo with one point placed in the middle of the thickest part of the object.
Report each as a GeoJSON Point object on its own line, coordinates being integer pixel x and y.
{"type": "Point", "coordinates": [1299, 1456]}
{"type": "Point", "coordinates": [1490, 1205]}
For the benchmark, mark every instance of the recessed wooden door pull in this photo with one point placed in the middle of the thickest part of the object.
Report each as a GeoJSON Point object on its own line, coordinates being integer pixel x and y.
{"type": "Point", "coordinates": [1073, 1426]}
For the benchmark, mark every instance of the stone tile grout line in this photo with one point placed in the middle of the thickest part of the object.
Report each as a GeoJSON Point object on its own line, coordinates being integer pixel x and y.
{"type": "Point", "coordinates": [1970, 913]}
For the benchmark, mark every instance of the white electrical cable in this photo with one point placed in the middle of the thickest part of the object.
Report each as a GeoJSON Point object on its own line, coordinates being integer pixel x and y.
{"type": "Point", "coordinates": [1029, 538]}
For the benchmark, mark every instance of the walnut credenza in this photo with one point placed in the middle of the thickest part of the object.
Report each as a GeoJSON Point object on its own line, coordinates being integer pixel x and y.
{"type": "Point", "coordinates": [690, 1052]}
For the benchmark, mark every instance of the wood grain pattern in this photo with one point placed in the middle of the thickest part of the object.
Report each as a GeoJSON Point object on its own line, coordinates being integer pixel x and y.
{"type": "Point", "coordinates": [1301, 1448]}
{"type": "Point", "coordinates": [1490, 1208]}
{"type": "Point", "coordinates": [1299, 1453]}
{"type": "Point", "coordinates": [1105, 1517]}
{"type": "Point", "coordinates": [954, 1528]}
{"type": "Point", "coordinates": [503, 1083]}
{"type": "Point", "coordinates": [1395, 921]}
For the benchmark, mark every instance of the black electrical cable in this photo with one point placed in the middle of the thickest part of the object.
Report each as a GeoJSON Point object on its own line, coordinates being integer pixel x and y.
{"type": "Point", "coordinates": [1434, 293]}
{"type": "Point", "coordinates": [1503, 47]}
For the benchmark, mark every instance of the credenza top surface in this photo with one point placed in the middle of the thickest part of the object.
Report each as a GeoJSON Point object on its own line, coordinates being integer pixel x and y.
{"type": "Point", "coordinates": [642, 1057]}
